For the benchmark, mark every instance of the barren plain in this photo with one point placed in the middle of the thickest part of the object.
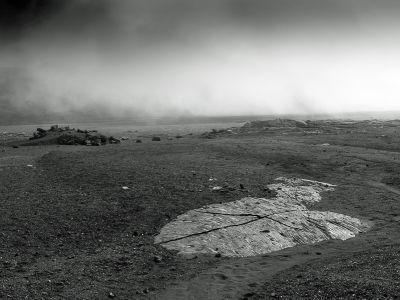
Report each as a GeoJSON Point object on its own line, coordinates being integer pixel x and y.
{"type": "Point", "coordinates": [81, 222]}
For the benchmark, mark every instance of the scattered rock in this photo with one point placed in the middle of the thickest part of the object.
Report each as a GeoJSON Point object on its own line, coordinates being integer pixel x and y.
{"type": "Point", "coordinates": [178, 137]}
{"type": "Point", "coordinates": [156, 139]}
{"type": "Point", "coordinates": [111, 295]}
{"type": "Point", "coordinates": [15, 146]}
{"type": "Point", "coordinates": [125, 188]}
{"type": "Point", "coordinates": [71, 139]}
{"type": "Point", "coordinates": [67, 136]}
{"type": "Point", "coordinates": [138, 141]}
{"type": "Point", "coordinates": [124, 138]}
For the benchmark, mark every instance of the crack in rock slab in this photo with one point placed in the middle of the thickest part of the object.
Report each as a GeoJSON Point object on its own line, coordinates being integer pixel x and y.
{"type": "Point", "coordinates": [253, 226]}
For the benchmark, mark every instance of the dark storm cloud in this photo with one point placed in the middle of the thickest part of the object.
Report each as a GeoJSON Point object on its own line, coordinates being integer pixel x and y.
{"type": "Point", "coordinates": [163, 21]}
{"type": "Point", "coordinates": [18, 15]}
{"type": "Point", "coordinates": [182, 56]}
{"type": "Point", "coordinates": [158, 20]}
{"type": "Point", "coordinates": [154, 18]}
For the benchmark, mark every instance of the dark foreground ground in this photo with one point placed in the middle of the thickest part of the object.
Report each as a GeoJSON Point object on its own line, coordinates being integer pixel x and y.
{"type": "Point", "coordinates": [70, 231]}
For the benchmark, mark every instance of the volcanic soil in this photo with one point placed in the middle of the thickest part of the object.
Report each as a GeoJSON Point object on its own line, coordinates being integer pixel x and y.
{"type": "Point", "coordinates": [79, 222]}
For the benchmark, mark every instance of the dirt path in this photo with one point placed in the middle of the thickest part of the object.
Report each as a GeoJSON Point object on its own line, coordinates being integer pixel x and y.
{"type": "Point", "coordinates": [384, 186]}
{"type": "Point", "coordinates": [233, 278]}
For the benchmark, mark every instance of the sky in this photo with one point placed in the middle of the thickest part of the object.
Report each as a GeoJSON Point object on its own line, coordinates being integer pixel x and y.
{"type": "Point", "coordinates": [104, 59]}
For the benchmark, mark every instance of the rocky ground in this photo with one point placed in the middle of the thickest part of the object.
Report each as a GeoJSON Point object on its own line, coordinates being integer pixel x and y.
{"type": "Point", "coordinates": [80, 222]}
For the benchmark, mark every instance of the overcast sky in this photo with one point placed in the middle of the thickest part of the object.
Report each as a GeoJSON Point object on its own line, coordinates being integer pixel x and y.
{"type": "Point", "coordinates": [208, 57]}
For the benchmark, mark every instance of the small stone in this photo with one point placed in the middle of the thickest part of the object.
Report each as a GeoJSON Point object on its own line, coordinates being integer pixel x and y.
{"type": "Point", "coordinates": [156, 139]}
{"type": "Point", "coordinates": [157, 258]}
{"type": "Point", "coordinates": [218, 255]}
{"type": "Point", "coordinates": [241, 186]}
{"type": "Point", "coordinates": [138, 141]}
{"type": "Point", "coordinates": [273, 294]}
{"type": "Point", "coordinates": [216, 188]}
{"type": "Point", "coordinates": [113, 140]}
{"type": "Point", "coordinates": [111, 295]}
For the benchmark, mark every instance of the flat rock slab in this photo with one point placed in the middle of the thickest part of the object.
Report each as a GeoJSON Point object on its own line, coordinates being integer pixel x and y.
{"type": "Point", "coordinates": [253, 226]}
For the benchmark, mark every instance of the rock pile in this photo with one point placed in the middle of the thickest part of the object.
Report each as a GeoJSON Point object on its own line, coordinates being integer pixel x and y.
{"type": "Point", "coordinates": [260, 126]}
{"type": "Point", "coordinates": [280, 123]}
{"type": "Point", "coordinates": [67, 136]}
{"type": "Point", "coordinates": [215, 133]}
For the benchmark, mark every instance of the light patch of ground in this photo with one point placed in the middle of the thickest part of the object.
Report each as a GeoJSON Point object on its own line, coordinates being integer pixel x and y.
{"type": "Point", "coordinates": [253, 226]}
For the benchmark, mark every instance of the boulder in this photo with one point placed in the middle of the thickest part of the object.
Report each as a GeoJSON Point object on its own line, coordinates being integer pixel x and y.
{"type": "Point", "coordinates": [113, 140]}
{"type": "Point", "coordinates": [54, 128]}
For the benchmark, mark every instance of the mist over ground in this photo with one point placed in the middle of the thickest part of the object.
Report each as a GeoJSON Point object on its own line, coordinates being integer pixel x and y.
{"type": "Point", "coordinates": [96, 60]}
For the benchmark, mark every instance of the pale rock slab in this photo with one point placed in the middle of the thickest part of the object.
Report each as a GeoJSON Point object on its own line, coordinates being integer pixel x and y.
{"type": "Point", "coordinates": [253, 226]}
